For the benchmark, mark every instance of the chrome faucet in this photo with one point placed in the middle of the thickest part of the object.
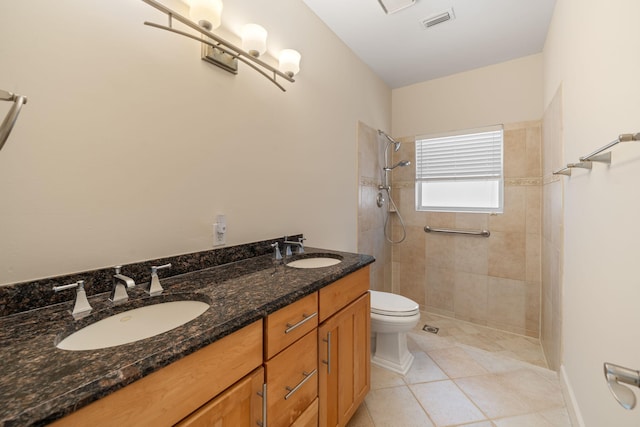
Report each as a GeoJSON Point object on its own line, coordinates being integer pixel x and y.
{"type": "Point", "coordinates": [120, 285]}
{"type": "Point", "coordinates": [154, 287]}
{"type": "Point", "coordinates": [298, 243]}
{"type": "Point", "coordinates": [81, 308]}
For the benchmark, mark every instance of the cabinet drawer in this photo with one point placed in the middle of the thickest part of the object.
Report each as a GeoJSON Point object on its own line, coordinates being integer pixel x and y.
{"type": "Point", "coordinates": [342, 292]}
{"type": "Point", "coordinates": [290, 323]}
{"type": "Point", "coordinates": [292, 381]}
{"type": "Point", "coordinates": [309, 417]}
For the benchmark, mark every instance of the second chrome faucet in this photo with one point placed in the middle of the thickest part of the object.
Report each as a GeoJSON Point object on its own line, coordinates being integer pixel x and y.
{"type": "Point", "coordinates": [120, 285]}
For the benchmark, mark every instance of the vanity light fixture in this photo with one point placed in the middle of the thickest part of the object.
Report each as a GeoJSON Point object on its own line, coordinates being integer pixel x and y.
{"type": "Point", "coordinates": [222, 53]}
{"type": "Point", "coordinates": [207, 13]}
{"type": "Point", "coordinates": [254, 39]}
{"type": "Point", "coordinates": [289, 62]}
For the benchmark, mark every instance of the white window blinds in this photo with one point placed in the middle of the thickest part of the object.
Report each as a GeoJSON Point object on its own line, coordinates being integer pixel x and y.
{"type": "Point", "coordinates": [476, 155]}
{"type": "Point", "coordinates": [461, 172]}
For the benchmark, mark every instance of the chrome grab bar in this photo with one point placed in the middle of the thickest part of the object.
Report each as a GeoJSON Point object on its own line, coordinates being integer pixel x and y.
{"type": "Point", "coordinates": [483, 233]}
{"type": "Point", "coordinates": [12, 116]}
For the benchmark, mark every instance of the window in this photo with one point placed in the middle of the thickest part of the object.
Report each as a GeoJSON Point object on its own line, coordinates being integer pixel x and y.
{"type": "Point", "coordinates": [460, 172]}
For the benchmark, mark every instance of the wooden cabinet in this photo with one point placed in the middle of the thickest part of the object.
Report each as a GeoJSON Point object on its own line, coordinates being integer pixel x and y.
{"type": "Point", "coordinates": [166, 396]}
{"type": "Point", "coordinates": [238, 406]}
{"type": "Point", "coordinates": [344, 353]}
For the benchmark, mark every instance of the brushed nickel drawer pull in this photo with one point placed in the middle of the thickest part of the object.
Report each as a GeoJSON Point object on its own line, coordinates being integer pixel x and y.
{"type": "Point", "coordinates": [328, 361]}
{"type": "Point", "coordinates": [300, 384]}
{"type": "Point", "coordinates": [291, 327]}
{"type": "Point", "coordinates": [263, 423]}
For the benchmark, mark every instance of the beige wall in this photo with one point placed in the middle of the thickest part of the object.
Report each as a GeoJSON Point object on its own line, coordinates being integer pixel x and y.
{"type": "Point", "coordinates": [592, 50]}
{"type": "Point", "coordinates": [491, 281]}
{"type": "Point", "coordinates": [130, 145]}
{"type": "Point", "coordinates": [508, 92]}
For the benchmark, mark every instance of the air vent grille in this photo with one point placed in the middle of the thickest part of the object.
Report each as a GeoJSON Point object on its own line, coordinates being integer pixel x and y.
{"type": "Point", "coordinates": [438, 18]}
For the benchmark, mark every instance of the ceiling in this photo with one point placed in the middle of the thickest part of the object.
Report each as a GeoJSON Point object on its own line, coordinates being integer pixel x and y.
{"type": "Point", "coordinates": [402, 52]}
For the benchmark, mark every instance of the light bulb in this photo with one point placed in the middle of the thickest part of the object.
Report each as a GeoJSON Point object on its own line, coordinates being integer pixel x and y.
{"type": "Point", "coordinates": [207, 13]}
{"type": "Point", "coordinates": [254, 39]}
{"type": "Point", "coordinates": [289, 62]}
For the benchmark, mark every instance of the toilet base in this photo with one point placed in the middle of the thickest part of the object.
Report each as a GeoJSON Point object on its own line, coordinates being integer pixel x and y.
{"type": "Point", "coordinates": [392, 353]}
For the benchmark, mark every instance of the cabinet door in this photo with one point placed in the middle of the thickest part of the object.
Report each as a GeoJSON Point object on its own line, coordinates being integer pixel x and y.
{"type": "Point", "coordinates": [344, 349]}
{"type": "Point", "coordinates": [239, 406]}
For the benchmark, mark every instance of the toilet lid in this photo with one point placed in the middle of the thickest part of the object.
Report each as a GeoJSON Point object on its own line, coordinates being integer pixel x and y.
{"type": "Point", "coordinates": [389, 304]}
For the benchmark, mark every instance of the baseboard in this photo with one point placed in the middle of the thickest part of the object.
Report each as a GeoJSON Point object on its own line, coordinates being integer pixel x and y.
{"type": "Point", "coordinates": [570, 399]}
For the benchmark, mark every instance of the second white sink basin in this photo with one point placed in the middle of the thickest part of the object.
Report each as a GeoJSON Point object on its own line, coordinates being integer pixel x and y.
{"type": "Point", "coordinates": [133, 325]}
{"type": "Point", "coordinates": [316, 262]}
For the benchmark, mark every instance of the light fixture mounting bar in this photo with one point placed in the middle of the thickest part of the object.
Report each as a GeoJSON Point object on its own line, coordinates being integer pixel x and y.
{"type": "Point", "coordinates": [218, 44]}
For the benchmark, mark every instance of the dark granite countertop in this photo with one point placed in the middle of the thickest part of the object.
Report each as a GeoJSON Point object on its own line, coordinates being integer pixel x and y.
{"type": "Point", "coordinates": [41, 383]}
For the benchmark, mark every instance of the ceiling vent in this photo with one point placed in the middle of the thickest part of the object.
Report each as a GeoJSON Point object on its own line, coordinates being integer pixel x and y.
{"type": "Point", "coordinates": [393, 6]}
{"type": "Point", "coordinates": [438, 18]}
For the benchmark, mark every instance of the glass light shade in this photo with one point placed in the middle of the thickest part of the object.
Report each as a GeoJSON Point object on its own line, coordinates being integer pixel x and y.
{"type": "Point", "coordinates": [254, 39]}
{"type": "Point", "coordinates": [289, 62]}
{"type": "Point", "coordinates": [207, 13]}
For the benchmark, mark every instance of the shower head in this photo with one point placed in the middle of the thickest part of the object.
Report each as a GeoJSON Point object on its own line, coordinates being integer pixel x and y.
{"type": "Point", "coordinates": [400, 163]}
{"type": "Point", "coordinates": [396, 144]}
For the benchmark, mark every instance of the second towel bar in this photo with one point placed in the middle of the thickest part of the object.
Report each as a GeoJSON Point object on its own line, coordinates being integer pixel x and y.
{"type": "Point", "coordinates": [482, 233]}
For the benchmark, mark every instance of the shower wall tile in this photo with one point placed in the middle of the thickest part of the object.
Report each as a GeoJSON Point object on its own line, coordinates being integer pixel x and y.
{"type": "Point", "coordinates": [533, 209]}
{"type": "Point", "coordinates": [533, 270]}
{"type": "Point", "coordinates": [552, 241]}
{"type": "Point", "coordinates": [440, 219]}
{"type": "Point", "coordinates": [515, 153]}
{"type": "Point", "coordinates": [470, 296]}
{"type": "Point", "coordinates": [471, 221]}
{"type": "Point", "coordinates": [507, 255]}
{"type": "Point", "coordinates": [532, 309]}
{"type": "Point", "coordinates": [471, 255]}
{"type": "Point", "coordinates": [513, 219]}
{"type": "Point", "coordinates": [440, 251]}
{"type": "Point", "coordinates": [533, 155]}
{"type": "Point", "coordinates": [370, 217]}
{"type": "Point", "coordinates": [440, 289]}
{"type": "Point", "coordinates": [405, 200]}
{"type": "Point", "coordinates": [506, 300]}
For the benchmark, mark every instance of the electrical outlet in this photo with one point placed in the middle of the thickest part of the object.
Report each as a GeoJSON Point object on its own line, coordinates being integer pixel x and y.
{"type": "Point", "coordinates": [220, 231]}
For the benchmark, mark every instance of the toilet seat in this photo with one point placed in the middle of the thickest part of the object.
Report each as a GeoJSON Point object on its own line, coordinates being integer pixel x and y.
{"type": "Point", "coordinates": [392, 305]}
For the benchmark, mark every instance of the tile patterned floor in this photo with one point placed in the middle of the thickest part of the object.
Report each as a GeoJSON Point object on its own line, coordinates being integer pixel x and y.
{"type": "Point", "coordinates": [466, 375]}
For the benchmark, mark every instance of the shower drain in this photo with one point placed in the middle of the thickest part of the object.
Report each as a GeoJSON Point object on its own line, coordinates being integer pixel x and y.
{"type": "Point", "coordinates": [431, 329]}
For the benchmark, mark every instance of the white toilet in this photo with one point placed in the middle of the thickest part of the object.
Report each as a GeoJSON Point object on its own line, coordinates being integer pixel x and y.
{"type": "Point", "coordinates": [392, 316]}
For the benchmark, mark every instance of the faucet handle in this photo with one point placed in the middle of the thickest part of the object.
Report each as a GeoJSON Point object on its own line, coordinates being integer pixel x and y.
{"type": "Point", "coordinates": [301, 247]}
{"type": "Point", "coordinates": [81, 308]}
{"type": "Point", "coordinates": [154, 286]}
{"type": "Point", "coordinates": [277, 255]}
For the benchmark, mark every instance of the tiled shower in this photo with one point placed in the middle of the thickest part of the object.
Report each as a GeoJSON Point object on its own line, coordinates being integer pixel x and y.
{"type": "Point", "coordinates": [495, 281]}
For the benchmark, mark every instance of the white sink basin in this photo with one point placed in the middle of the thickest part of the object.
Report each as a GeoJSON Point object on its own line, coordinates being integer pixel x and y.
{"type": "Point", "coordinates": [317, 262]}
{"type": "Point", "coordinates": [133, 325]}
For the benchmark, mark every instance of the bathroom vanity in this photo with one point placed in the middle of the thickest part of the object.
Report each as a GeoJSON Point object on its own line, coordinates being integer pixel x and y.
{"type": "Point", "coordinates": [279, 346]}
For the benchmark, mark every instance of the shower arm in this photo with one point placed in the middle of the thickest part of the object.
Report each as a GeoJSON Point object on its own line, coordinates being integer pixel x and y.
{"type": "Point", "coordinates": [12, 115]}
